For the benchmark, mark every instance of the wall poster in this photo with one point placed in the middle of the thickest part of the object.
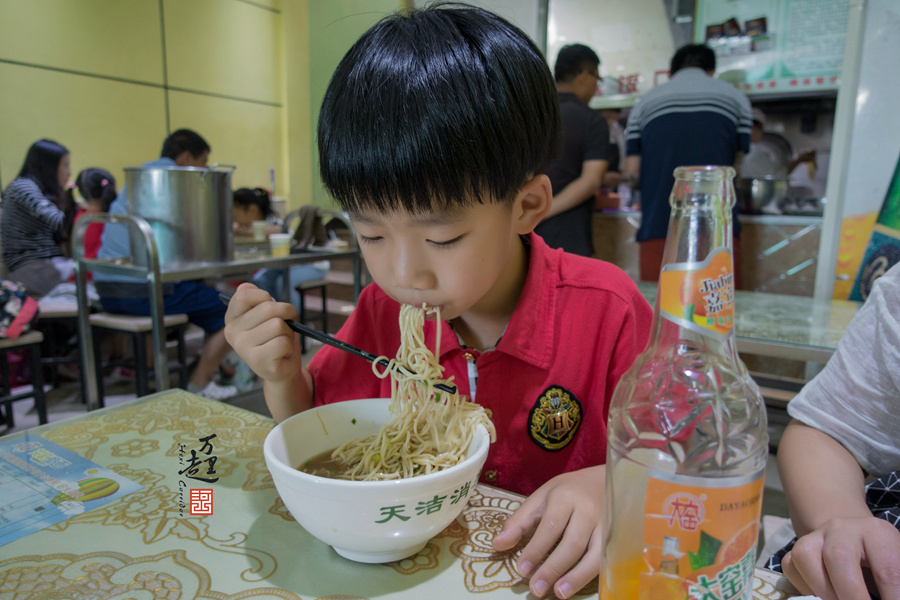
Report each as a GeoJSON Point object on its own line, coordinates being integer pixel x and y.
{"type": "Point", "coordinates": [775, 46]}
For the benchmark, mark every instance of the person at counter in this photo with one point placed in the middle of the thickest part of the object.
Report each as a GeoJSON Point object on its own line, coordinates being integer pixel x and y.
{"type": "Point", "coordinates": [760, 161]}
{"type": "Point", "coordinates": [33, 223]}
{"type": "Point", "coordinates": [442, 173]}
{"type": "Point", "coordinates": [615, 155]}
{"type": "Point", "coordinates": [845, 428]}
{"type": "Point", "coordinates": [692, 119]}
{"type": "Point", "coordinates": [577, 173]}
{"type": "Point", "coordinates": [200, 302]}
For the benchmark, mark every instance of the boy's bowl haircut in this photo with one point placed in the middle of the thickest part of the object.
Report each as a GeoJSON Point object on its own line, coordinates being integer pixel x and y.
{"type": "Point", "coordinates": [437, 108]}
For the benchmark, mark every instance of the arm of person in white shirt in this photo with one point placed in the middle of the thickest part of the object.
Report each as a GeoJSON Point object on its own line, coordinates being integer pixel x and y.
{"type": "Point", "coordinates": [580, 189]}
{"type": "Point", "coordinates": [840, 543]}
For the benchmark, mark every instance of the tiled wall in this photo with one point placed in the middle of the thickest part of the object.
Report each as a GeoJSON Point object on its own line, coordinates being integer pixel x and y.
{"type": "Point", "coordinates": [110, 79]}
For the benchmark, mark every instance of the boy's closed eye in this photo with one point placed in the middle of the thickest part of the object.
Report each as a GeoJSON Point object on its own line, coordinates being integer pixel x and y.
{"type": "Point", "coordinates": [445, 244]}
{"type": "Point", "coordinates": [365, 239]}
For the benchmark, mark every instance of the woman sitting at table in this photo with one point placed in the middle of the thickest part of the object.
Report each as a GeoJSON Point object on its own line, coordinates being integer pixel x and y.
{"type": "Point", "coordinates": [34, 221]}
{"type": "Point", "coordinates": [846, 427]}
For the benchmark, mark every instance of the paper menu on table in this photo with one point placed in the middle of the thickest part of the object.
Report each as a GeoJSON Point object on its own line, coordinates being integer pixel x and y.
{"type": "Point", "coordinates": [42, 483]}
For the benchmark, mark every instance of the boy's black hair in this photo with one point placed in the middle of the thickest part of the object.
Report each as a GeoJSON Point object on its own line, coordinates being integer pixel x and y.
{"type": "Point", "coordinates": [181, 140]}
{"type": "Point", "coordinates": [245, 197]}
{"type": "Point", "coordinates": [572, 60]}
{"type": "Point", "coordinates": [693, 55]}
{"type": "Point", "coordinates": [437, 108]}
{"type": "Point", "coordinates": [42, 167]}
{"type": "Point", "coordinates": [97, 184]}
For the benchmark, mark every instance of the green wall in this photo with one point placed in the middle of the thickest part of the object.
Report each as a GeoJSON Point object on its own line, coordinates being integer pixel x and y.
{"type": "Point", "coordinates": [334, 26]}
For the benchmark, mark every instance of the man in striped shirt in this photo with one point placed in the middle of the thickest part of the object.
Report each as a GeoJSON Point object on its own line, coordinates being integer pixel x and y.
{"type": "Point", "coordinates": [692, 119]}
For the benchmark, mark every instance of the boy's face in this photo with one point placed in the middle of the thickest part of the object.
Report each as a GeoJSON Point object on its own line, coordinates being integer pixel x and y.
{"type": "Point", "coordinates": [457, 261]}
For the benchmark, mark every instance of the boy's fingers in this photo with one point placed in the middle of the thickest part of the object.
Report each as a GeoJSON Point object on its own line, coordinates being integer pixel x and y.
{"type": "Point", "coordinates": [250, 314]}
{"type": "Point", "coordinates": [586, 570]}
{"type": "Point", "coordinates": [551, 527]}
{"type": "Point", "coordinates": [270, 330]}
{"type": "Point", "coordinates": [518, 524]}
{"type": "Point", "coordinates": [571, 548]}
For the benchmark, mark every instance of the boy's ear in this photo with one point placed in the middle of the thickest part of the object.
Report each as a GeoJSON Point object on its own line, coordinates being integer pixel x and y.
{"type": "Point", "coordinates": [532, 203]}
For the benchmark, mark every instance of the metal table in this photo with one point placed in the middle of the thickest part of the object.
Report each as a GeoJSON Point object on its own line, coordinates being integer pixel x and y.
{"type": "Point", "coordinates": [155, 275]}
{"type": "Point", "coordinates": [784, 326]}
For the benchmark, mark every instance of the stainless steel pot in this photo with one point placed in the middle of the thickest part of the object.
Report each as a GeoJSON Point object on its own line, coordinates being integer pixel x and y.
{"type": "Point", "coordinates": [189, 210]}
{"type": "Point", "coordinates": [755, 193]}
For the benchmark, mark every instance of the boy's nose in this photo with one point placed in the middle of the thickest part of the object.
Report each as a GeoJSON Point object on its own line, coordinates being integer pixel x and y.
{"type": "Point", "coordinates": [410, 272]}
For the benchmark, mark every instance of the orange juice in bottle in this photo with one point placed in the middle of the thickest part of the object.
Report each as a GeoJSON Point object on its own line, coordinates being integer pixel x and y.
{"type": "Point", "coordinates": [687, 425]}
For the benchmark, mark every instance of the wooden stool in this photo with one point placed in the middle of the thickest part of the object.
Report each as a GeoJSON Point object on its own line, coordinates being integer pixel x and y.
{"type": "Point", "coordinates": [315, 284]}
{"type": "Point", "coordinates": [139, 328]}
{"type": "Point", "coordinates": [30, 341]}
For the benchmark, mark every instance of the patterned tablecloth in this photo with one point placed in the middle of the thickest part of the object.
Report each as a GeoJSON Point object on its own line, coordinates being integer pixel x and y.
{"type": "Point", "coordinates": [147, 544]}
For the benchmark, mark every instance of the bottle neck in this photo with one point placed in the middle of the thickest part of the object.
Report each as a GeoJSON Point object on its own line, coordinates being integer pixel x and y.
{"type": "Point", "coordinates": [695, 294]}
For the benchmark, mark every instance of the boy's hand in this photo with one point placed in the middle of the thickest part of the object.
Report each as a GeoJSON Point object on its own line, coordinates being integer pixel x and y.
{"type": "Point", "coordinates": [828, 562]}
{"type": "Point", "coordinates": [255, 328]}
{"type": "Point", "coordinates": [568, 507]}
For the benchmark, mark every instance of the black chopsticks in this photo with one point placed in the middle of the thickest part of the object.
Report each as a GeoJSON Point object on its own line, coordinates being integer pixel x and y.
{"type": "Point", "coordinates": [333, 341]}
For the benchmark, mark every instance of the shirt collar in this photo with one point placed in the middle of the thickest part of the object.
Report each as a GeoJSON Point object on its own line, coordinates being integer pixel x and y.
{"type": "Point", "coordinates": [531, 329]}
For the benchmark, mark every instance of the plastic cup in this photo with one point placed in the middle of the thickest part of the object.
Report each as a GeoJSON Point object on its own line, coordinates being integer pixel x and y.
{"type": "Point", "coordinates": [259, 231]}
{"type": "Point", "coordinates": [280, 243]}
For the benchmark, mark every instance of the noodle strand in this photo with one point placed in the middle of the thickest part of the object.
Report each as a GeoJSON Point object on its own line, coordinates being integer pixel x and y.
{"type": "Point", "coordinates": [429, 430]}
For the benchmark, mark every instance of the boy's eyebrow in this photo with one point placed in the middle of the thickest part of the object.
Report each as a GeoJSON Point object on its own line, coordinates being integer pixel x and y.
{"type": "Point", "coordinates": [425, 219]}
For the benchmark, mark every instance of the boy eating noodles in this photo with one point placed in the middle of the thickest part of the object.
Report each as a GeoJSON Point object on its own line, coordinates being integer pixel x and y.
{"type": "Point", "coordinates": [433, 135]}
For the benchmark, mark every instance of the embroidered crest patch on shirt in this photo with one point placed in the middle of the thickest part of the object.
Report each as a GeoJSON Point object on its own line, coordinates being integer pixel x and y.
{"type": "Point", "coordinates": [554, 418]}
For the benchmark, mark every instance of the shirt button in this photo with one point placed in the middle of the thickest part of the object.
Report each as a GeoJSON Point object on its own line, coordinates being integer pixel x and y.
{"type": "Point", "coordinates": [469, 356]}
{"type": "Point", "coordinates": [490, 476]}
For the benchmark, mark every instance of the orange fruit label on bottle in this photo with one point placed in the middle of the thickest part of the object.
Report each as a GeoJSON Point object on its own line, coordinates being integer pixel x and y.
{"type": "Point", "coordinates": [700, 296]}
{"type": "Point", "coordinates": [700, 537]}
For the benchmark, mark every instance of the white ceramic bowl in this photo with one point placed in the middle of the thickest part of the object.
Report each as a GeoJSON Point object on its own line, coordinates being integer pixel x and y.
{"type": "Point", "coordinates": [365, 521]}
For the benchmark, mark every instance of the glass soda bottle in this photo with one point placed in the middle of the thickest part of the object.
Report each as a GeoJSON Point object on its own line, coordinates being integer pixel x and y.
{"type": "Point", "coordinates": [688, 441]}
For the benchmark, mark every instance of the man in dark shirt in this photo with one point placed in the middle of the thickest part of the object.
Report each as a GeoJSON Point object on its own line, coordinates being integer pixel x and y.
{"type": "Point", "coordinates": [692, 119]}
{"type": "Point", "coordinates": [578, 171]}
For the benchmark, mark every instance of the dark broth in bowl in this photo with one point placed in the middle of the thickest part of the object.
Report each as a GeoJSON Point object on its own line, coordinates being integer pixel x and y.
{"type": "Point", "coordinates": [323, 465]}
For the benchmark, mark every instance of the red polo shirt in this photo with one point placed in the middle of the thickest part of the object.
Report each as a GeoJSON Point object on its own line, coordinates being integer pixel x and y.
{"type": "Point", "coordinates": [577, 327]}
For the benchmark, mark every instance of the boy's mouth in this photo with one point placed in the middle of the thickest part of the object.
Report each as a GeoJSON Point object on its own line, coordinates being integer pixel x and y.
{"type": "Point", "coordinates": [431, 310]}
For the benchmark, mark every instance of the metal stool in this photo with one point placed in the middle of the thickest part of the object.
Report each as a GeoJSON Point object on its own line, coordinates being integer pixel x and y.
{"type": "Point", "coordinates": [139, 328]}
{"type": "Point", "coordinates": [302, 288]}
{"type": "Point", "coordinates": [30, 341]}
{"type": "Point", "coordinates": [56, 319]}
